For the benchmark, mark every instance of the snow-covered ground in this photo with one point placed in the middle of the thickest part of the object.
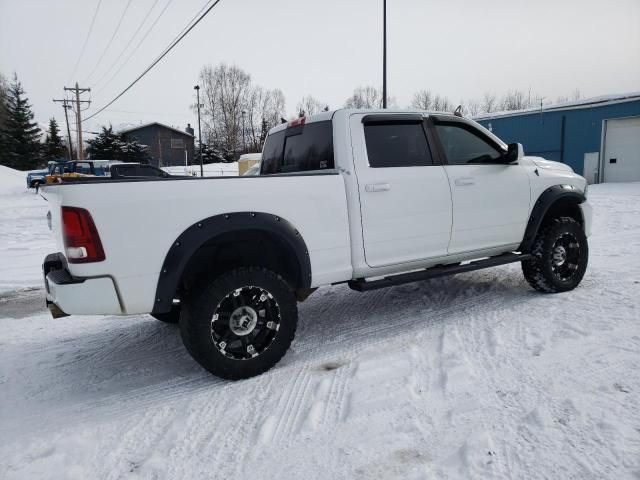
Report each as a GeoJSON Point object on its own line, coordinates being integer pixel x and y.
{"type": "Point", "coordinates": [473, 376]}
{"type": "Point", "coordinates": [24, 236]}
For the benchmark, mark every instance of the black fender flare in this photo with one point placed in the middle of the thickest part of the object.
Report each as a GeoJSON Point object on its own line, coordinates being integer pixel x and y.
{"type": "Point", "coordinates": [544, 202]}
{"type": "Point", "coordinates": [195, 236]}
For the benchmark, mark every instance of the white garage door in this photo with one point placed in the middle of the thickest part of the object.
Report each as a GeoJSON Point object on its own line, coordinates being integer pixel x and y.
{"type": "Point", "coordinates": [622, 150]}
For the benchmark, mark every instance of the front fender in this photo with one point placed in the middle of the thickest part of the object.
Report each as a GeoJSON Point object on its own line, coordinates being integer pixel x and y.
{"type": "Point", "coordinates": [545, 201]}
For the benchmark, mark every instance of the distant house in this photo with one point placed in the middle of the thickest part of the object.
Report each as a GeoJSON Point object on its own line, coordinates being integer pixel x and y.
{"type": "Point", "coordinates": [168, 146]}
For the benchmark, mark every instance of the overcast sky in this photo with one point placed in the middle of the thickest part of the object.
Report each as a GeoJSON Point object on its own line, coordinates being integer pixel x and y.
{"type": "Point", "coordinates": [457, 48]}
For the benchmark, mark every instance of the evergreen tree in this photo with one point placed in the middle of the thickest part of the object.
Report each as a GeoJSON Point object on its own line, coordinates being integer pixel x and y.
{"type": "Point", "coordinates": [53, 146]}
{"type": "Point", "coordinates": [4, 152]}
{"type": "Point", "coordinates": [105, 146]}
{"type": "Point", "coordinates": [20, 135]}
{"type": "Point", "coordinates": [134, 151]}
{"type": "Point", "coordinates": [109, 145]}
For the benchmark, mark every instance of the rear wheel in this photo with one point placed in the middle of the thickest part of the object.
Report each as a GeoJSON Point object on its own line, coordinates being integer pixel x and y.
{"type": "Point", "coordinates": [559, 257]}
{"type": "Point", "coordinates": [239, 324]}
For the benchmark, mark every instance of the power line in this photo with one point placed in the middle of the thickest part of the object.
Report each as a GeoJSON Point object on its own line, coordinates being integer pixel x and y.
{"type": "Point", "coordinates": [124, 12]}
{"type": "Point", "coordinates": [127, 43]}
{"type": "Point", "coordinates": [135, 49]}
{"type": "Point", "coordinates": [157, 60]}
{"type": "Point", "coordinates": [86, 40]}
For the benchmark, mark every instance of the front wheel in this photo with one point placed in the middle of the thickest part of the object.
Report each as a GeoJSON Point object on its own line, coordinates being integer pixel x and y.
{"type": "Point", "coordinates": [239, 324]}
{"type": "Point", "coordinates": [559, 257]}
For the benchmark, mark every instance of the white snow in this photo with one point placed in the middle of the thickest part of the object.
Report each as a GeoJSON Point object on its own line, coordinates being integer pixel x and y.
{"type": "Point", "coordinates": [473, 376]}
{"type": "Point", "coordinates": [24, 235]}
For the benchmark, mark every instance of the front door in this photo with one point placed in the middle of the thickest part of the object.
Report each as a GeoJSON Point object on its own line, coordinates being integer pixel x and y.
{"type": "Point", "coordinates": [405, 201]}
{"type": "Point", "coordinates": [490, 198]}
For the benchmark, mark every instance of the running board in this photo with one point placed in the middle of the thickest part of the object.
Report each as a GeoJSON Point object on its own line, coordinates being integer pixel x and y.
{"type": "Point", "coordinates": [361, 285]}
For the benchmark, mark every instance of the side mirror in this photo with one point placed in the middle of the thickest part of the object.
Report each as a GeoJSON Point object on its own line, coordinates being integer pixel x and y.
{"type": "Point", "coordinates": [513, 154]}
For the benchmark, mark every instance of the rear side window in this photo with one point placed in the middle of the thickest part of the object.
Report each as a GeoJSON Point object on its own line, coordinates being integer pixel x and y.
{"type": "Point", "coordinates": [301, 148]}
{"type": "Point", "coordinates": [127, 170]}
{"type": "Point", "coordinates": [463, 146]}
{"type": "Point", "coordinates": [397, 145]}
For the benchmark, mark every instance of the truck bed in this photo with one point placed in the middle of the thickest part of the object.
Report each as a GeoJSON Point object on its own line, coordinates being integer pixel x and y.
{"type": "Point", "coordinates": [147, 215]}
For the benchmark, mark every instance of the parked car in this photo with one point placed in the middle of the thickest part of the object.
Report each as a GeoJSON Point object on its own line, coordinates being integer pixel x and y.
{"type": "Point", "coordinates": [367, 198]}
{"type": "Point", "coordinates": [253, 170]}
{"type": "Point", "coordinates": [136, 170]}
{"type": "Point", "coordinates": [246, 161]}
{"type": "Point", "coordinates": [36, 178]}
{"type": "Point", "coordinates": [68, 171]}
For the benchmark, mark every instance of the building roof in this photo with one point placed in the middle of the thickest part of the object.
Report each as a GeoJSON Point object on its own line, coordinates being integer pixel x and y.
{"type": "Point", "coordinates": [592, 102]}
{"type": "Point", "coordinates": [140, 127]}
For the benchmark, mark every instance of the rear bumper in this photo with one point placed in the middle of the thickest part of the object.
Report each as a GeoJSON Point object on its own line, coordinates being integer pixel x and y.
{"type": "Point", "coordinates": [68, 295]}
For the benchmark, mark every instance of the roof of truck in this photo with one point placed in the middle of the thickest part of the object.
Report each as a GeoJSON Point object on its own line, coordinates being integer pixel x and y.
{"type": "Point", "coordinates": [322, 116]}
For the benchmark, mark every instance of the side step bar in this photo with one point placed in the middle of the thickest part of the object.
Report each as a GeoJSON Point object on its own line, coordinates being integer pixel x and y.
{"type": "Point", "coordinates": [361, 285]}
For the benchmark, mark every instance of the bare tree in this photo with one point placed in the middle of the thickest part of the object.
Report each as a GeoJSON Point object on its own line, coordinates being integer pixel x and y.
{"type": "Point", "coordinates": [365, 97]}
{"type": "Point", "coordinates": [236, 114]}
{"type": "Point", "coordinates": [473, 107]}
{"type": "Point", "coordinates": [422, 100]}
{"type": "Point", "coordinates": [514, 100]}
{"type": "Point", "coordinates": [442, 104]}
{"type": "Point", "coordinates": [310, 105]}
{"type": "Point", "coordinates": [576, 95]}
{"type": "Point", "coordinates": [489, 101]}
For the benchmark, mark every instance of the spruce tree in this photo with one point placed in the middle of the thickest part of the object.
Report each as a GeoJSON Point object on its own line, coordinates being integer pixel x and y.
{"type": "Point", "coordinates": [108, 145]}
{"type": "Point", "coordinates": [20, 135]}
{"type": "Point", "coordinates": [53, 146]}
{"type": "Point", "coordinates": [105, 146]}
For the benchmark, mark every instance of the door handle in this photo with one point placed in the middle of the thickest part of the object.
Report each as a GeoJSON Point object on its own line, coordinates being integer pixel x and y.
{"type": "Point", "coordinates": [464, 181]}
{"type": "Point", "coordinates": [377, 187]}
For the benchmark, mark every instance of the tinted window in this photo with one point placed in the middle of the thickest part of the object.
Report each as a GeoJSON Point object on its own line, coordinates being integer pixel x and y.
{"type": "Point", "coordinates": [397, 145]}
{"type": "Point", "coordinates": [462, 145]}
{"type": "Point", "coordinates": [299, 149]}
{"type": "Point", "coordinates": [149, 171]}
{"type": "Point", "coordinates": [127, 170]}
{"type": "Point", "coordinates": [272, 153]}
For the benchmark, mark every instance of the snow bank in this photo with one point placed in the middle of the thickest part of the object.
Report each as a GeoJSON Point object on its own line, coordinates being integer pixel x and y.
{"type": "Point", "coordinates": [24, 235]}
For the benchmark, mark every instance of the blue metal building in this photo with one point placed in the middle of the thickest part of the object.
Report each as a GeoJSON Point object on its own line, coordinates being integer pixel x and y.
{"type": "Point", "coordinates": [599, 137]}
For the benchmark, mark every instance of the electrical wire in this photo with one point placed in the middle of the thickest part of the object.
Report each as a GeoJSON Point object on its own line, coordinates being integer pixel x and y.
{"type": "Point", "coordinates": [86, 40]}
{"type": "Point", "coordinates": [135, 49]}
{"type": "Point", "coordinates": [128, 43]}
{"type": "Point", "coordinates": [124, 12]}
{"type": "Point", "coordinates": [157, 60]}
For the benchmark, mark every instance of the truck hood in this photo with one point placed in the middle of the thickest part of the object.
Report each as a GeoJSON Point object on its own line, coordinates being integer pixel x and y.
{"type": "Point", "coordinates": [549, 164]}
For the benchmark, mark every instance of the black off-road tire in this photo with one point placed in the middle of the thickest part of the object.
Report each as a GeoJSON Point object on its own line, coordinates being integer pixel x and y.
{"type": "Point", "coordinates": [170, 317]}
{"type": "Point", "coordinates": [559, 257]}
{"type": "Point", "coordinates": [205, 305]}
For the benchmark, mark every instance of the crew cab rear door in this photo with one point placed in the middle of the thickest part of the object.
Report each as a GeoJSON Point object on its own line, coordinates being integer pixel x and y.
{"type": "Point", "coordinates": [405, 199]}
{"type": "Point", "coordinates": [490, 198]}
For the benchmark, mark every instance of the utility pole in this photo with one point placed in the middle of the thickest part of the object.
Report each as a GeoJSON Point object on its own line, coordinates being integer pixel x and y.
{"type": "Point", "coordinates": [244, 143]}
{"type": "Point", "coordinates": [66, 106]}
{"type": "Point", "coordinates": [197, 89]}
{"type": "Point", "coordinates": [78, 91]}
{"type": "Point", "coordinates": [384, 53]}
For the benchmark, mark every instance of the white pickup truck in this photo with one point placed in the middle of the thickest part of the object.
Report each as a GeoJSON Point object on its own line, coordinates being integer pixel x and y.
{"type": "Point", "coordinates": [367, 198]}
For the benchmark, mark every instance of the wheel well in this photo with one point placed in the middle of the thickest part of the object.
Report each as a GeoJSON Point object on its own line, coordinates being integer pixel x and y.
{"type": "Point", "coordinates": [564, 207]}
{"type": "Point", "coordinates": [242, 248]}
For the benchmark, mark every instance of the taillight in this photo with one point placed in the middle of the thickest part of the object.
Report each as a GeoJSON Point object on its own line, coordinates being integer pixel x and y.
{"type": "Point", "coordinates": [81, 240]}
{"type": "Point", "coordinates": [297, 122]}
